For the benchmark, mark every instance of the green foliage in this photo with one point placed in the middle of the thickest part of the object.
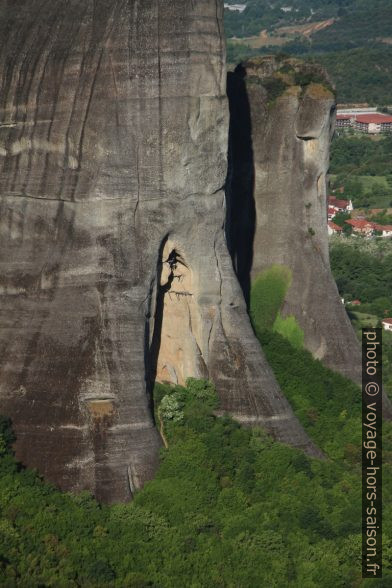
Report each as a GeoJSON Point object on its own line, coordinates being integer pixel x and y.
{"type": "Point", "coordinates": [275, 87]}
{"type": "Point", "coordinates": [228, 507]}
{"type": "Point", "coordinates": [362, 156]}
{"type": "Point", "coordinates": [7, 436]}
{"type": "Point", "coordinates": [362, 166]}
{"type": "Point", "coordinates": [290, 330]}
{"type": "Point", "coordinates": [363, 271]}
{"type": "Point", "coordinates": [171, 408]}
{"type": "Point", "coordinates": [237, 52]}
{"type": "Point", "coordinates": [304, 78]}
{"type": "Point", "coordinates": [213, 515]}
{"type": "Point", "coordinates": [382, 218]}
{"type": "Point", "coordinates": [172, 403]}
{"type": "Point", "coordinates": [318, 396]}
{"type": "Point", "coordinates": [262, 14]}
{"type": "Point", "coordinates": [267, 295]}
{"type": "Point", "coordinates": [360, 75]}
{"type": "Point", "coordinates": [340, 219]}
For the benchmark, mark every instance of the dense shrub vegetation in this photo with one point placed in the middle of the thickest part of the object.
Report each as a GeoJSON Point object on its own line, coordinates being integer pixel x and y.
{"type": "Point", "coordinates": [360, 75]}
{"type": "Point", "coordinates": [363, 271]}
{"type": "Point", "coordinates": [363, 167]}
{"type": "Point", "coordinates": [229, 507]}
{"type": "Point", "coordinates": [361, 155]}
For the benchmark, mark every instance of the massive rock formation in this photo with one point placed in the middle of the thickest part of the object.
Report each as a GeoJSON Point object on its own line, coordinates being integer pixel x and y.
{"type": "Point", "coordinates": [113, 261]}
{"type": "Point", "coordinates": [281, 128]}
{"type": "Point", "coordinates": [282, 122]}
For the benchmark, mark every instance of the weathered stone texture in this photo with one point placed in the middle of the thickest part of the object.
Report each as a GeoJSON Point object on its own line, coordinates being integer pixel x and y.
{"type": "Point", "coordinates": [113, 141]}
{"type": "Point", "coordinates": [277, 194]}
{"type": "Point", "coordinates": [277, 204]}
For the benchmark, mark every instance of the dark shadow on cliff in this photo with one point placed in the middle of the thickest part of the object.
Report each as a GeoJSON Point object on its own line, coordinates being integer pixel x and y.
{"type": "Point", "coordinates": [152, 349]}
{"type": "Point", "coordinates": [241, 211]}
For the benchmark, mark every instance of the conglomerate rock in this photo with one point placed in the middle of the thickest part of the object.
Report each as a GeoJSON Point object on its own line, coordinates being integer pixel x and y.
{"type": "Point", "coordinates": [113, 261]}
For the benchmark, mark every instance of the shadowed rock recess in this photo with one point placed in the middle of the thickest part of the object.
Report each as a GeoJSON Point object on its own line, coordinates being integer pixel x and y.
{"type": "Point", "coordinates": [113, 261]}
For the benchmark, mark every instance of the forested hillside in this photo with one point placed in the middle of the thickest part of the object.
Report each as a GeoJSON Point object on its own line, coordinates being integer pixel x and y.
{"type": "Point", "coordinates": [351, 38]}
{"type": "Point", "coordinates": [262, 14]}
{"type": "Point", "coordinates": [363, 167]}
{"type": "Point", "coordinates": [360, 75]}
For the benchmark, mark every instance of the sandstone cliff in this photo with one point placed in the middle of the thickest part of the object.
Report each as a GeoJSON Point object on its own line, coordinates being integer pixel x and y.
{"type": "Point", "coordinates": [113, 262]}
{"type": "Point", "coordinates": [282, 121]}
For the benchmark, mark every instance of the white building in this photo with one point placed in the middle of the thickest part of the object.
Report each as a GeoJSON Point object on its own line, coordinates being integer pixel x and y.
{"type": "Point", "coordinates": [235, 7]}
{"type": "Point", "coordinates": [387, 324]}
{"type": "Point", "coordinates": [385, 230]}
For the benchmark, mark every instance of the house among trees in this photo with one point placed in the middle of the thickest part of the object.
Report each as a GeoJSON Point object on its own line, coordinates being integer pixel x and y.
{"type": "Point", "coordinates": [385, 230]}
{"type": "Point", "coordinates": [334, 229]}
{"type": "Point", "coordinates": [340, 205]}
{"type": "Point", "coordinates": [361, 226]}
{"type": "Point", "coordinates": [387, 324]}
{"type": "Point", "coordinates": [355, 303]}
{"type": "Point", "coordinates": [335, 205]}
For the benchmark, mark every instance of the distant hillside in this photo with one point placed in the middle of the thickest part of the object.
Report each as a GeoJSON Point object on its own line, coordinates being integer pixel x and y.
{"type": "Point", "coordinates": [313, 24]}
{"type": "Point", "coordinates": [262, 14]}
{"type": "Point", "coordinates": [351, 38]}
{"type": "Point", "coordinates": [360, 75]}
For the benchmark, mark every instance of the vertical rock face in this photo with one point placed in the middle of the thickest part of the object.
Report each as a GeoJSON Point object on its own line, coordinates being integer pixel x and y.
{"type": "Point", "coordinates": [282, 124]}
{"type": "Point", "coordinates": [113, 263]}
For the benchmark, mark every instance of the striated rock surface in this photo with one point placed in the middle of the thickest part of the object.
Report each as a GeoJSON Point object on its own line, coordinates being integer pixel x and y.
{"type": "Point", "coordinates": [282, 123]}
{"type": "Point", "coordinates": [113, 264]}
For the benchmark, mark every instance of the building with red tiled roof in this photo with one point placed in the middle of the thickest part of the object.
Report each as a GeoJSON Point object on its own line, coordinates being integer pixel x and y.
{"type": "Point", "coordinates": [361, 226]}
{"type": "Point", "coordinates": [340, 205]}
{"type": "Point", "coordinates": [373, 123]}
{"type": "Point", "coordinates": [386, 230]}
{"type": "Point", "coordinates": [367, 228]}
{"type": "Point", "coordinates": [333, 228]}
{"type": "Point", "coordinates": [343, 121]}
